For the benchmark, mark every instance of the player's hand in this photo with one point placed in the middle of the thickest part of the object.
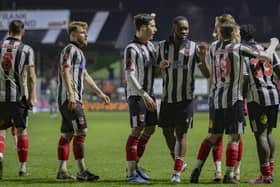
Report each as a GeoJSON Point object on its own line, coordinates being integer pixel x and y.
{"type": "Point", "coordinates": [201, 50]}
{"type": "Point", "coordinates": [31, 103]}
{"type": "Point", "coordinates": [105, 98]}
{"type": "Point", "coordinates": [72, 102]}
{"type": "Point", "coordinates": [274, 41]}
{"type": "Point", "coordinates": [164, 64]}
{"type": "Point", "coordinates": [149, 103]}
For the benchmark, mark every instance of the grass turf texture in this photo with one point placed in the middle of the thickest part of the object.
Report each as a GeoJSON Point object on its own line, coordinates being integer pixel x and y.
{"type": "Point", "coordinates": [105, 154]}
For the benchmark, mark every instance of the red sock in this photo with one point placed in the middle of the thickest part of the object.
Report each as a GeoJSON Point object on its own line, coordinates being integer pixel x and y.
{"type": "Point", "coordinates": [265, 170]}
{"type": "Point", "coordinates": [22, 147]}
{"type": "Point", "coordinates": [240, 150]}
{"type": "Point", "coordinates": [63, 149]}
{"type": "Point", "coordinates": [78, 147]}
{"type": "Point", "coordinates": [2, 144]}
{"type": "Point", "coordinates": [14, 131]}
{"type": "Point", "coordinates": [271, 163]}
{"type": "Point", "coordinates": [204, 150]}
{"type": "Point", "coordinates": [142, 144]}
{"type": "Point", "coordinates": [178, 164]}
{"type": "Point", "coordinates": [131, 148]}
{"type": "Point", "coordinates": [232, 154]}
{"type": "Point", "coordinates": [217, 151]}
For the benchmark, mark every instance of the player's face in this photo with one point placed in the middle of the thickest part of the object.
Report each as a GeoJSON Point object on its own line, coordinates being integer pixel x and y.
{"type": "Point", "coordinates": [150, 30]}
{"type": "Point", "coordinates": [181, 30]}
{"type": "Point", "coordinates": [81, 36]}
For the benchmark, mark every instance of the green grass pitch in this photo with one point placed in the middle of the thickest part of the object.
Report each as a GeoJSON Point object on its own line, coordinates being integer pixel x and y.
{"type": "Point", "coordinates": [105, 154]}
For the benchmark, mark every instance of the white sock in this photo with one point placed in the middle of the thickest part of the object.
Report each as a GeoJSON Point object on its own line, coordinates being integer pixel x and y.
{"type": "Point", "coordinates": [81, 166]}
{"type": "Point", "coordinates": [62, 165]}
{"type": "Point", "coordinates": [22, 166]}
{"type": "Point", "coordinates": [237, 167]}
{"type": "Point", "coordinates": [131, 168]}
{"type": "Point", "coordinates": [218, 166]}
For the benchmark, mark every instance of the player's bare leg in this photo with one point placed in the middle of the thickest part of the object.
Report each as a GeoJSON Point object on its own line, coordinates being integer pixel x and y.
{"type": "Point", "coordinates": [263, 149]}
{"type": "Point", "coordinates": [271, 143]}
{"type": "Point", "coordinates": [170, 138]}
{"type": "Point", "coordinates": [180, 152]}
{"type": "Point", "coordinates": [14, 135]}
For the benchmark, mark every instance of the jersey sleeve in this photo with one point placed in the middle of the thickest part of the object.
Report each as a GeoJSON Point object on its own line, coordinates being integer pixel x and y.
{"type": "Point", "coordinates": [67, 56]}
{"type": "Point", "coordinates": [30, 59]}
{"type": "Point", "coordinates": [250, 52]}
{"type": "Point", "coordinates": [130, 59]}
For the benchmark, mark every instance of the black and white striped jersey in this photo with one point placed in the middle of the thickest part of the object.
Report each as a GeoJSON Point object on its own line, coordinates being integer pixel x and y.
{"type": "Point", "coordinates": [140, 65]}
{"type": "Point", "coordinates": [15, 57]}
{"type": "Point", "coordinates": [72, 56]}
{"type": "Point", "coordinates": [227, 61]}
{"type": "Point", "coordinates": [262, 88]}
{"type": "Point", "coordinates": [178, 78]}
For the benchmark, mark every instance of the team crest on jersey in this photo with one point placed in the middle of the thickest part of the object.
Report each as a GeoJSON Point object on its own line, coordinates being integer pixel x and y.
{"type": "Point", "coordinates": [66, 56]}
{"type": "Point", "coordinates": [81, 120]}
{"type": "Point", "coordinates": [185, 52]}
{"type": "Point", "coordinates": [263, 119]}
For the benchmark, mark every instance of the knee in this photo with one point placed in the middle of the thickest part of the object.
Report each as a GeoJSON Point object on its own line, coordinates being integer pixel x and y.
{"type": "Point", "coordinates": [148, 131]}
{"type": "Point", "coordinates": [234, 137]}
{"type": "Point", "coordinates": [81, 132]}
{"type": "Point", "coordinates": [136, 131]}
{"type": "Point", "coordinates": [68, 135]}
{"type": "Point", "coordinates": [21, 131]}
{"type": "Point", "coordinates": [168, 132]}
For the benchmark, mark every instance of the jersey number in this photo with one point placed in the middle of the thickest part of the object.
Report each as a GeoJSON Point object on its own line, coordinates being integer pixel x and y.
{"type": "Point", "coordinates": [7, 61]}
{"type": "Point", "coordinates": [267, 68]}
{"type": "Point", "coordinates": [223, 68]}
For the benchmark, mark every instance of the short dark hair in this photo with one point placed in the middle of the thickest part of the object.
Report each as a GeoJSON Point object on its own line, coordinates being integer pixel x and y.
{"type": "Point", "coordinates": [247, 32]}
{"type": "Point", "coordinates": [143, 19]}
{"type": "Point", "coordinates": [227, 28]}
{"type": "Point", "coordinates": [16, 26]}
{"type": "Point", "coordinates": [177, 19]}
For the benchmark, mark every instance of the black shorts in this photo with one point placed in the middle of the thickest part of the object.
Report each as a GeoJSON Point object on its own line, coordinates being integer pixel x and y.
{"type": "Point", "coordinates": [13, 111]}
{"type": "Point", "coordinates": [72, 120]}
{"type": "Point", "coordinates": [231, 120]}
{"type": "Point", "coordinates": [139, 115]}
{"type": "Point", "coordinates": [262, 117]}
{"type": "Point", "coordinates": [174, 115]}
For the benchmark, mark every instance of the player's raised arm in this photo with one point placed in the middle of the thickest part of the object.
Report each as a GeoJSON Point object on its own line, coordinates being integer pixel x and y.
{"type": "Point", "coordinates": [262, 55]}
{"type": "Point", "coordinates": [95, 88]}
{"type": "Point", "coordinates": [201, 52]}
